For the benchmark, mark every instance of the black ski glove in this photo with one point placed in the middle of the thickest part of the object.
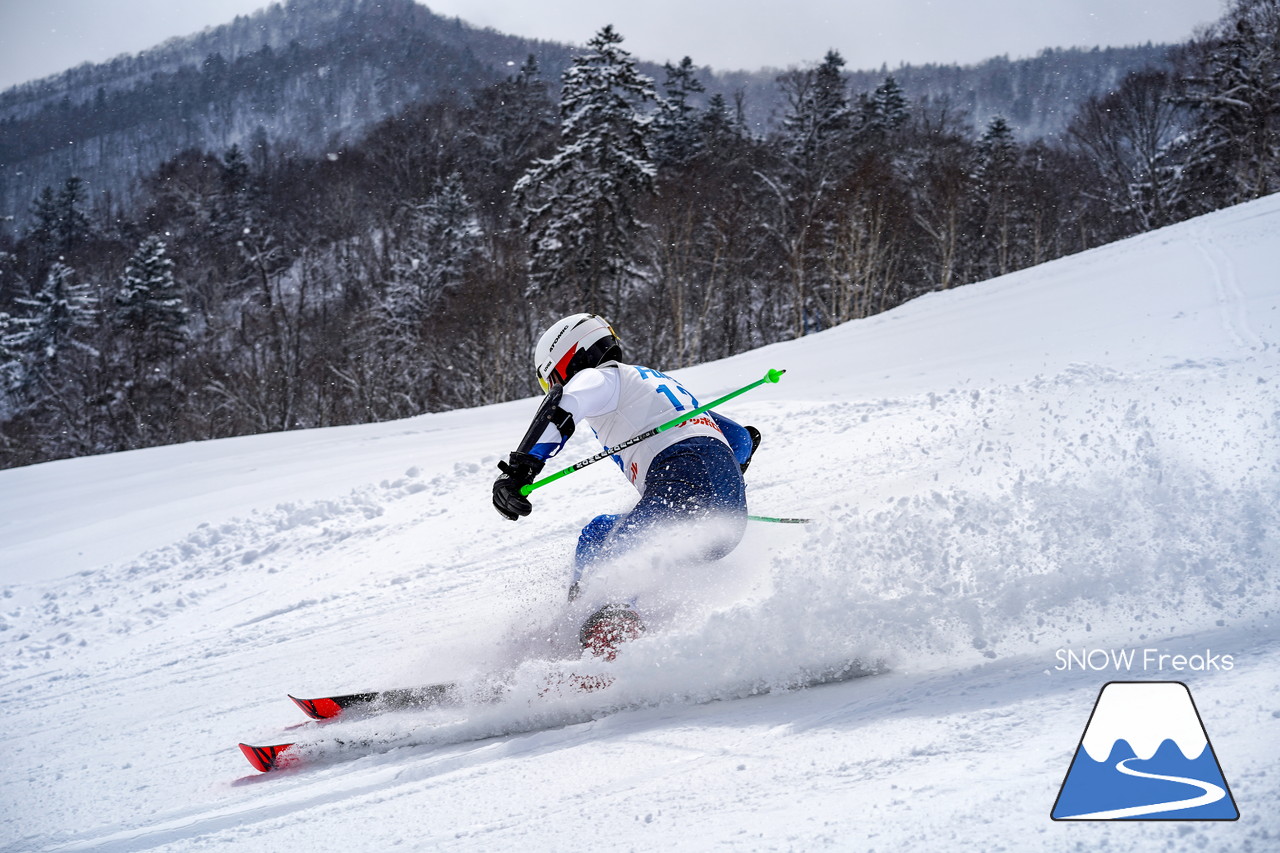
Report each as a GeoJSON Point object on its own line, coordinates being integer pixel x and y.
{"type": "Point", "coordinates": [519, 470]}
{"type": "Point", "coordinates": [755, 442]}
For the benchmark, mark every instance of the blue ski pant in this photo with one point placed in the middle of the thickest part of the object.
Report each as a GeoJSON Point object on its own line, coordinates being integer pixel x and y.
{"type": "Point", "coordinates": [698, 478]}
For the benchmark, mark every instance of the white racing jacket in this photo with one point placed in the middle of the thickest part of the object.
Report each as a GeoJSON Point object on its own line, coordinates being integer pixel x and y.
{"type": "Point", "coordinates": [619, 401]}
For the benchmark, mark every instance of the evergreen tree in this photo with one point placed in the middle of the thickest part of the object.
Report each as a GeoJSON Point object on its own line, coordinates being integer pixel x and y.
{"type": "Point", "coordinates": [718, 126]}
{"type": "Point", "coordinates": [816, 143]}
{"type": "Point", "coordinates": [436, 250]}
{"type": "Point", "coordinates": [10, 365]}
{"type": "Point", "coordinates": [1234, 150]}
{"type": "Point", "coordinates": [44, 227]}
{"type": "Point", "coordinates": [234, 207]}
{"type": "Point", "coordinates": [676, 137]}
{"type": "Point", "coordinates": [235, 172]}
{"type": "Point", "coordinates": [443, 238]}
{"type": "Point", "coordinates": [997, 155]}
{"type": "Point", "coordinates": [580, 204]}
{"type": "Point", "coordinates": [149, 305]}
{"type": "Point", "coordinates": [514, 115]}
{"type": "Point", "coordinates": [994, 178]}
{"type": "Point", "coordinates": [818, 119]}
{"type": "Point", "coordinates": [885, 110]}
{"type": "Point", "coordinates": [59, 225]}
{"type": "Point", "coordinates": [250, 253]}
{"type": "Point", "coordinates": [512, 122]}
{"type": "Point", "coordinates": [73, 226]}
{"type": "Point", "coordinates": [830, 96]}
{"type": "Point", "coordinates": [62, 313]}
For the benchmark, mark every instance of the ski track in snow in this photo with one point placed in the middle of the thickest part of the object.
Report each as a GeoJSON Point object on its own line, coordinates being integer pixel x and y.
{"type": "Point", "coordinates": [1231, 300]}
{"type": "Point", "coordinates": [981, 499]}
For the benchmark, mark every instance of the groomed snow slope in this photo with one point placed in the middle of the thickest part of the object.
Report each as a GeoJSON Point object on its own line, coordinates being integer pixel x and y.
{"type": "Point", "coordinates": [1080, 456]}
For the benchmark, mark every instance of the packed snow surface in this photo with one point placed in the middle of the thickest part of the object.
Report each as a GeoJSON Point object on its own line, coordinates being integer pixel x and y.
{"type": "Point", "coordinates": [1013, 486]}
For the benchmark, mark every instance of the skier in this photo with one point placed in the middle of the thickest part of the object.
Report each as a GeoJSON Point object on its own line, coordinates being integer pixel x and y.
{"type": "Point", "coordinates": [691, 472]}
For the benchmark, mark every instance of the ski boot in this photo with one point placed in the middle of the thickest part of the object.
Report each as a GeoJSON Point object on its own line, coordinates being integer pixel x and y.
{"type": "Point", "coordinates": [609, 627]}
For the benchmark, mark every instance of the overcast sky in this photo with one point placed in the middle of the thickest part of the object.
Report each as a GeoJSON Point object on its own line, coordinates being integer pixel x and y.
{"type": "Point", "coordinates": [42, 37]}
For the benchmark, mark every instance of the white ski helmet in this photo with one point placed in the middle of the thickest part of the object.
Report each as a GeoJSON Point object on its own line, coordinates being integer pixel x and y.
{"type": "Point", "coordinates": [572, 344]}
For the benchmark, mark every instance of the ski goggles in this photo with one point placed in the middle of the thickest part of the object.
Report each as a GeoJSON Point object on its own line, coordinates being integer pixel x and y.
{"type": "Point", "coordinates": [547, 383]}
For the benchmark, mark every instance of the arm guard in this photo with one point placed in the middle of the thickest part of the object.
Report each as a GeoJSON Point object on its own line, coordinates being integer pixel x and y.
{"type": "Point", "coordinates": [551, 427]}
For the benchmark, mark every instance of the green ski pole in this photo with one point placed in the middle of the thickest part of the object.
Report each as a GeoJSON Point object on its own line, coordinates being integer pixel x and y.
{"type": "Point", "coordinates": [771, 376]}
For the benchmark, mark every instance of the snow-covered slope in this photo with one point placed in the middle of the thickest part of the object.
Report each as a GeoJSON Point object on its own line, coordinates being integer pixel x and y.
{"type": "Point", "coordinates": [1083, 456]}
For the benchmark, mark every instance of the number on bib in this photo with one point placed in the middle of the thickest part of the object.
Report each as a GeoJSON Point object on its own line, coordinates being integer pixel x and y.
{"type": "Point", "coordinates": [675, 402]}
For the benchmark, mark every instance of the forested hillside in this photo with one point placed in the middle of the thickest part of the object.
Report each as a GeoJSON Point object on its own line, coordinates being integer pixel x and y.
{"type": "Point", "coordinates": [271, 285]}
{"type": "Point", "coordinates": [302, 78]}
{"type": "Point", "coordinates": [1037, 96]}
{"type": "Point", "coordinates": [308, 76]}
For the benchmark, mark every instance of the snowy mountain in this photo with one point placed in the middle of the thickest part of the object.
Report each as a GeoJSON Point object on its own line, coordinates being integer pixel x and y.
{"type": "Point", "coordinates": [1078, 456]}
{"type": "Point", "coordinates": [310, 76]}
{"type": "Point", "coordinates": [303, 76]}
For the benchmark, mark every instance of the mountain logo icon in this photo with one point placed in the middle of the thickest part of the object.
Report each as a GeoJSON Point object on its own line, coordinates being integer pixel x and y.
{"type": "Point", "coordinates": [1145, 755]}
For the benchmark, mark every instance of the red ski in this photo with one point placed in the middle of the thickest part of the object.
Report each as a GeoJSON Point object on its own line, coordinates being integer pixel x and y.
{"type": "Point", "coordinates": [606, 628]}
{"type": "Point", "coordinates": [277, 756]}
{"type": "Point", "coordinates": [266, 758]}
{"type": "Point", "coordinates": [328, 707]}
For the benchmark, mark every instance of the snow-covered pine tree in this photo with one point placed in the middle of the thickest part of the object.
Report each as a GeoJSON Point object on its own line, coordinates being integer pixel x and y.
{"type": "Point", "coordinates": [579, 205]}
{"type": "Point", "coordinates": [234, 210]}
{"type": "Point", "coordinates": [816, 140]}
{"type": "Point", "coordinates": [442, 236]}
{"type": "Point", "coordinates": [63, 311]}
{"type": "Point", "coordinates": [512, 122]}
{"type": "Point", "coordinates": [44, 225]}
{"type": "Point", "coordinates": [676, 136]}
{"type": "Point", "coordinates": [9, 364]}
{"type": "Point", "coordinates": [235, 175]}
{"type": "Point", "coordinates": [818, 119]}
{"type": "Point", "coordinates": [150, 309]}
{"type": "Point", "coordinates": [718, 125]}
{"type": "Point", "coordinates": [884, 110]}
{"type": "Point", "coordinates": [995, 204]}
{"type": "Point", "coordinates": [73, 226]}
{"type": "Point", "coordinates": [249, 234]}
{"type": "Point", "coordinates": [431, 253]}
{"type": "Point", "coordinates": [59, 225]}
{"type": "Point", "coordinates": [1234, 151]}
{"type": "Point", "coordinates": [997, 154]}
